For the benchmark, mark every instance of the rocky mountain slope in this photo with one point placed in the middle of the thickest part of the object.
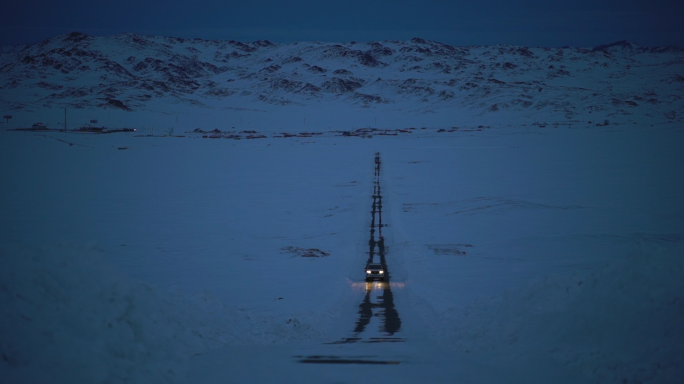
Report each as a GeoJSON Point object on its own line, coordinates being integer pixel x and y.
{"type": "Point", "coordinates": [130, 71]}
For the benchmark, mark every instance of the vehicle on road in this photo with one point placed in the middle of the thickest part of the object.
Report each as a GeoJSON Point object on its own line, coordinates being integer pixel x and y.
{"type": "Point", "coordinates": [375, 271]}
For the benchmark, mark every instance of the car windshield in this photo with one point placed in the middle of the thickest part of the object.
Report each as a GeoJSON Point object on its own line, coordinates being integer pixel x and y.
{"type": "Point", "coordinates": [375, 266]}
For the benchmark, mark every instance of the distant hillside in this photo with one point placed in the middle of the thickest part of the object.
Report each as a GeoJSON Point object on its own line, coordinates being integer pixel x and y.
{"type": "Point", "coordinates": [130, 71]}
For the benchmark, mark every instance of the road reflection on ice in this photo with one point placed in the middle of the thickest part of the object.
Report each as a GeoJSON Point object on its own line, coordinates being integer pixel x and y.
{"type": "Point", "coordinates": [382, 307]}
{"type": "Point", "coordinates": [377, 303]}
{"type": "Point", "coordinates": [374, 285]}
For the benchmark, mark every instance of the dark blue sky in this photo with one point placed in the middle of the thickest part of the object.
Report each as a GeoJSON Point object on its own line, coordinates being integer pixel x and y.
{"type": "Point", "coordinates": [550, 23]}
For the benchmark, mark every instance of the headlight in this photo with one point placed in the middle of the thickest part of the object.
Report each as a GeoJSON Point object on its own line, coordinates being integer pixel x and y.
{"type": "Point", "coordinates": [382, 272]}
{"type": "Point", "coordinates": [368, 271]}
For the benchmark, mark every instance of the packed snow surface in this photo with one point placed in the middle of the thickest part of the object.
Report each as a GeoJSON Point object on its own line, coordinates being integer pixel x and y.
{"type": "Point", "coordinates": [517, 254]}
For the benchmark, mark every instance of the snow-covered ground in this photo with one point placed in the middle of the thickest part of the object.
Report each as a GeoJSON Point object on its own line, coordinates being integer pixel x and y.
{"type": "Point", "coordinates": [518, 254]}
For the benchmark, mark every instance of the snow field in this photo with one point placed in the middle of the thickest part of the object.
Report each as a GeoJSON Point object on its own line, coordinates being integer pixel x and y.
{"type": "Point", "coordinates": [572, 245]}
{"type": "Point", "coordinates": [203, 255]}
{"type": "Point", "coordinates": [197, 245]}
{"type": "Point", "coordinates": [67, 317]}
{"type": "Point", "coordinates": [619, 323]}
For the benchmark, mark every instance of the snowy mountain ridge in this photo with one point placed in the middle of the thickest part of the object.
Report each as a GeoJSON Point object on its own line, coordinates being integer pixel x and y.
{"type": "Point", "coordinates": [128, 71]}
